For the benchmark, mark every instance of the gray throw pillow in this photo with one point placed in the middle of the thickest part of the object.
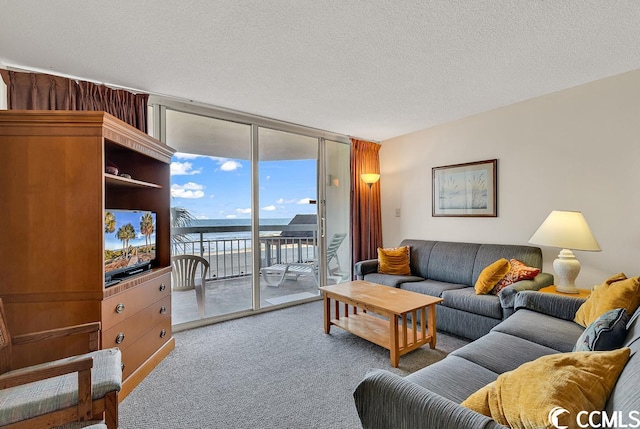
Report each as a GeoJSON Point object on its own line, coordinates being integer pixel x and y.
{"type": "Point", "coordinates": [607, 332]}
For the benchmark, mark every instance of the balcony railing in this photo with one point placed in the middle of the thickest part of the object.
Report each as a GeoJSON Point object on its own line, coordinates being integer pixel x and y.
{"type": "Point", "coordinates": [233, 256]}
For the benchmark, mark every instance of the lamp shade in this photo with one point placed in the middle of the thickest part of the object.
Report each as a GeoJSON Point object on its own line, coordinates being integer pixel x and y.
{"type": "Point", "coordinates": [566, 230]}
{"type": "Point", "coordinates": [370, 178]}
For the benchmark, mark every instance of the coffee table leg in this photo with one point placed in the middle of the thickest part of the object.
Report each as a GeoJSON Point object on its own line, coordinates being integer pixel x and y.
{"type": "Point", "coordinates": [431, 325]}
{"type": "Point", "coordinates": [393, 346]}
{"type": "Point", "coordinates": [327, 313]}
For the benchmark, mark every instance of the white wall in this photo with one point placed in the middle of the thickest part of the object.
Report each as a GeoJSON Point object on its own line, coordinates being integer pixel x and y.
{"type": "Point", "coordinates": [577, 149]}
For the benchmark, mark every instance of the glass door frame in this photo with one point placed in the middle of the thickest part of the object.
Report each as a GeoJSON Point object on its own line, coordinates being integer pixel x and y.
{"type": "Point", "coordinates": [158, 107]}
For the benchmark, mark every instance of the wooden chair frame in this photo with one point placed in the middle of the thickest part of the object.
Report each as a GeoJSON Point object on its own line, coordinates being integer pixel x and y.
{"type": "Point", "coordinates": [87, 409]}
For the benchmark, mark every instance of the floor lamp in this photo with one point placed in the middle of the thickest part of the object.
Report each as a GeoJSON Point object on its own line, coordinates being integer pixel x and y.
{"type": "Point", "coordinates": [369, 179]}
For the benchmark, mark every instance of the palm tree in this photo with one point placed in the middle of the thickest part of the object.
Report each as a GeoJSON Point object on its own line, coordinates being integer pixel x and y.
{"type": "Point", "coordinates": [109, 222]}
{"type": "Point", "coordinates": [146, 227]}
{"type": "Point", "coordinates": [180, 217]}
{"type": "Point", "coordinates": [126, 233]}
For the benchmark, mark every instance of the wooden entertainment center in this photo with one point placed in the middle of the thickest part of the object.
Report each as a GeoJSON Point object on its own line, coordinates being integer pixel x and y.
{"type": "Point", "coordinates": [53, 194]}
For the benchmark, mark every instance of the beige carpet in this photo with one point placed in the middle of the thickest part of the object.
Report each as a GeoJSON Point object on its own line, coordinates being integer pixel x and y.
{"type": "Point", "coordinates": [272, 370]}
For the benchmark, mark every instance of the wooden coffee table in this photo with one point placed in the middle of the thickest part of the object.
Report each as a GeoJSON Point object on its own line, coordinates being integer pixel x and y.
{"type": "Point", "coordinates": [394, 304]}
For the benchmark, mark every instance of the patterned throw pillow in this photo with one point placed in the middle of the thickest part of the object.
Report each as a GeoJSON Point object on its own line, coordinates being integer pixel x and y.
{"type": "Point", "coordinates": [394, 261]}
{"type": "Point", "coordinates": [518, 271]}
{"type": "Point", "coordinates": [606, 333]}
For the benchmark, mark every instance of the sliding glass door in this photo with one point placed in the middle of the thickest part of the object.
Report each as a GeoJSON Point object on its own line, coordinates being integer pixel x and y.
{"type": "Point", "coordinates": [265, 211]}
{"type": "Point", "coordinates": [287, 190]}
{"type": "Point", "coordinates": [211, 211]}
{"type": "Point", "coordinates": [335, 221]}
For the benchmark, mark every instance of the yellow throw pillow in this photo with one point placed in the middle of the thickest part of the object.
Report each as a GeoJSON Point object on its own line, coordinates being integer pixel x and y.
{"type": "Point", "coordinates": [394, 261]}
{"type": "Point", "coordinates": [577, 381]}
{"type": "Point", "coordinates": [491, 275]}
{"type": "Point", "coordinates": [616, 292]}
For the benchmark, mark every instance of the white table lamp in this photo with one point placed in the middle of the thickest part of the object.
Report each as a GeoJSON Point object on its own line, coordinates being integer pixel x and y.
{"type": "Point", "coordinates": [566, 230]}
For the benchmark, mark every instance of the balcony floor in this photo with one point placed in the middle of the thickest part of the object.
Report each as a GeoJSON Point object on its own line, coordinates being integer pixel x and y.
{"type": "Point", "coordinates": [232, 295]}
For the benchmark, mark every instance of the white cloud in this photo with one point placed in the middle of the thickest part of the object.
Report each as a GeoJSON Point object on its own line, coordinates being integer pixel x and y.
{"type": "Point", "coordinates": [231, 216]}
{"type": "Point", "coordinates": [269, 208]}
{"type": "Point", "coordinates": [230, 165]}
{"type": "Point", "coordinates": [182, 155]}
{"type": "Point", "coordinates": [183, 169]}
{"type": "Point", "coordinates": [188, 190]}
{"type": "Point", "coordinates": [244, 211]}
{"type": "Point", "coordinates": [283, 201]}
{"type": "Point", "coordinates": [304, 201]}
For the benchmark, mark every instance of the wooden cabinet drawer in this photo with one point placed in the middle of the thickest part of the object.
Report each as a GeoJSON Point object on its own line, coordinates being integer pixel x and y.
{"type": "Point", "coordinates": [138, 352]}
{"type": "Point", "coordinates": [131, 329]}
{"type": "Point", "coordinates": [125, 304]}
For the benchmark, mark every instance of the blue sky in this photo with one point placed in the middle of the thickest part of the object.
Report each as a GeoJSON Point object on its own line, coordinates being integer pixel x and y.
{"type": "Point", "coordinates": [220, 188]}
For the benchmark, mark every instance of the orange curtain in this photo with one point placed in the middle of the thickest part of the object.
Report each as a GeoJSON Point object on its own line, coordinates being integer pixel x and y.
{"type": "Point", "coordinates": [366, 224]}
{"type": "Point", "coordinates": [39, 91]}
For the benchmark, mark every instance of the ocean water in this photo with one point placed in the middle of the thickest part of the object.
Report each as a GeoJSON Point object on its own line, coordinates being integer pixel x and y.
{"type": "Point", "coordinates": [234, 222]}
{"type": "Point", "coordinates": [226, 241]}
{"type": "Point", "coordinates": [229, 252]}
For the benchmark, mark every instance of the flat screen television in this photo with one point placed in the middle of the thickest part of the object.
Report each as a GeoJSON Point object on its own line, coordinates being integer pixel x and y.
{"type": "Point", "coordinates": [129, 243]}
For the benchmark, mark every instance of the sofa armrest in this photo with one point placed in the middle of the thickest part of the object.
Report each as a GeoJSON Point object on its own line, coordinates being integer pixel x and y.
{"type": "Point", "coordinates": [385, 400]}
{"type": "Point", "coordinates": [560, 306]}
{"type": "Point", "coordinates": [363, 268]}
{"type": "Point", "coordinates": [508, 294]}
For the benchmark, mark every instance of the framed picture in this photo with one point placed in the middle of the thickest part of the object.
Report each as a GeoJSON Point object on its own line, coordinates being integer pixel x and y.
{"type": "Point", "coordinates": [466, 189]}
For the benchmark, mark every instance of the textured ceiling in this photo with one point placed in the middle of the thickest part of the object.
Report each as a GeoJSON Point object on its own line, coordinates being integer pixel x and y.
{"type": "Point", "coordinates": [372, 69]}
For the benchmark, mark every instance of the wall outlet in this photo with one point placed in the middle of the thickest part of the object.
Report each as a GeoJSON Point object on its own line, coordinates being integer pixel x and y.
{"type": "Point", "coordinates": [397, 212]}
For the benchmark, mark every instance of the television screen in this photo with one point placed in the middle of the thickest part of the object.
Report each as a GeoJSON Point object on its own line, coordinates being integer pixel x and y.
{"type": "Point", "coordinates": [129, 239]}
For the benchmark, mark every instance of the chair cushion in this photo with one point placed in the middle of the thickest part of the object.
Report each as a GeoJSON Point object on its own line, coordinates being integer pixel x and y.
{"type": "Point", "coordinates": [34, 399]}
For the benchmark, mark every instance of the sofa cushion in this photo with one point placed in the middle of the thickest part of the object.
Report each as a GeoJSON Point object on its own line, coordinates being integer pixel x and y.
{"type": "Point", "coordinates": [558, 334]}
{"type": "Point", "coordinates": [626, 396]}
{"type": "Point", "coordinates": [607, 332]}
{"type": "Point", "coordinates": [487, 253]}
{"type": "Point", "coordinates": [394, 261]}
{"type": "Point", "coordinates": [420, 253]}
{"type": "Point", "coordinates": [453, 262]}
{"type": "Point", "coordinates": [524, 398]}
{"type": "Point", "coordinates": [432, 287]}
{"type": "Point", "coordinates": [491, 275]}
{"type": "Point", "coordinates": [519, 271]}
{"type": "Point", "coordinates": [390, 279]}
{"type": "Point", "coordinates": [499, 352]}
{"type": "Point", "coordinates": [615, 292]}
{"type": "Point", "coordinates": [466, 299]}
{"type": "Point", "coordinates": [454, 378]}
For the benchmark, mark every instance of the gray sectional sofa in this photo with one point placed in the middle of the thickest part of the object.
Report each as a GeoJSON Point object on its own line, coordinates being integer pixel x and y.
{"type": "Point", "coordinates": [429, 398]}
{"type": "Point", "coordinates": [449, 270]}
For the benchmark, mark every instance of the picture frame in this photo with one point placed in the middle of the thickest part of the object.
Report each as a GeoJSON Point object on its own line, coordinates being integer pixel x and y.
{"type": "Point", "coordinates": [466, 190]}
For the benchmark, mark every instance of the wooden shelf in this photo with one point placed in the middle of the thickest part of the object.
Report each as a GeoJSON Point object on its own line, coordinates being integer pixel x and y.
{"type": "Point", "coordinates": [112, 179]}
{"type": "Point", "coordinates": [377, 330]}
